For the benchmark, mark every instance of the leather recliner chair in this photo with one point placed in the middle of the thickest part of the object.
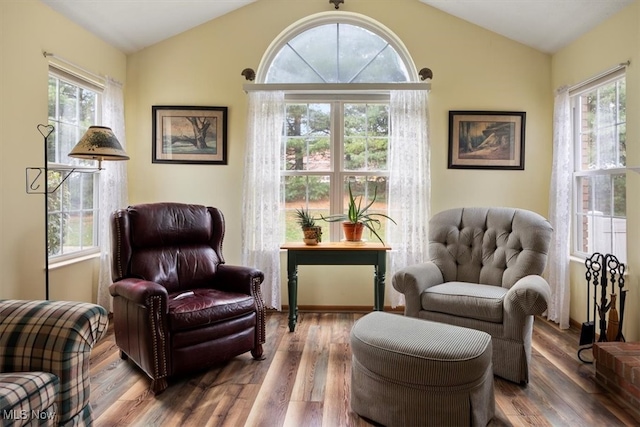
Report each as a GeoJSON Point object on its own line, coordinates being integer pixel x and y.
{"type": "Point", "coordinates": [177, 307]}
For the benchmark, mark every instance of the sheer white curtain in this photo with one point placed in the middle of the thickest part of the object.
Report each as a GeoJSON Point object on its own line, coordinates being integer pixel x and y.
{"type": "Point", "coordinates": [560, 210]}
{"type": "Point", "coordinates": [113, 186]}
{"type": "Point", "coordinates": [261, 225]}
{"type": "Point", "coordinates": [409, 184]}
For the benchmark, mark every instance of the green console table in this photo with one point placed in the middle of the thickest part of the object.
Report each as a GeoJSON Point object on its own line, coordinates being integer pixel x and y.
{"type": "Point", "coordinates": [334, 253]}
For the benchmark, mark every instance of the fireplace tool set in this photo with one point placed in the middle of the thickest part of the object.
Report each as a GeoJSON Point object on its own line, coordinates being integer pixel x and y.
{"type": "Point", "coordinates": [606, 275]}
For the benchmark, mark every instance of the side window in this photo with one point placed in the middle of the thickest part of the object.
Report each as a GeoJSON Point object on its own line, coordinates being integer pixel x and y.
{"type": "Point", "coordinates": [599, 117]}
{"type": "Point", "coordinates": [73, 208]}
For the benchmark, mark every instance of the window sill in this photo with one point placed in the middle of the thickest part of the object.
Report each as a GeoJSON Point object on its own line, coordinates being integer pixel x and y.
{"type": "Point", "coordinates": [70, 261]}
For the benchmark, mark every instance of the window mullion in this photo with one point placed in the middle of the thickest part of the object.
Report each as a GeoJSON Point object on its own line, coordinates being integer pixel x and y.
{"type": "Point", "coordinates": [337, 176]}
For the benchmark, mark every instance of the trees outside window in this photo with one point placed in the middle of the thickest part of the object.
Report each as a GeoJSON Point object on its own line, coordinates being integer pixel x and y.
{"type": "Point", "coordinates": [331, 140]}
{"type": "Point", "coordinates": [599, 117]}
{"type": "Point", "coordinates": [73, 208]}
{"type": "Point", "coordinates": [327, 146]}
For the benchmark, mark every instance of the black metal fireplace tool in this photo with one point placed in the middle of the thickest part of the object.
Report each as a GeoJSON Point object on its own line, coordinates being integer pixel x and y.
{"type": "Point", "coordinates": [603, 271]}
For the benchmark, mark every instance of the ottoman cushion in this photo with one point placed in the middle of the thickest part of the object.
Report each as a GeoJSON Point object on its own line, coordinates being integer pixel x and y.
{"type": "Point", "coordinates": [412, 371]}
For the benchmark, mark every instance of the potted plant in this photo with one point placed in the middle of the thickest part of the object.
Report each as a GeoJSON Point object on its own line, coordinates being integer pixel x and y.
{"type": "Point", "coordinates": [312, 232]}
{"type": "Point", "coordinates": [358, 218]}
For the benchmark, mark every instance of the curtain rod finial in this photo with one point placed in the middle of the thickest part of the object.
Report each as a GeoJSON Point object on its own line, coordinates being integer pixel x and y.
{"type": "Point", "coordinates": [425, 74]}
{"type": "Point", "coordinates": [249, 74]}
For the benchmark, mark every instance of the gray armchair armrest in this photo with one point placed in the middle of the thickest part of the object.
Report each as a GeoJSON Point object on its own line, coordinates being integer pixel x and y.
{"type": "Point", "coordinates": [413, 281]}
{"type": "Point", "coordinates": [528, 296]}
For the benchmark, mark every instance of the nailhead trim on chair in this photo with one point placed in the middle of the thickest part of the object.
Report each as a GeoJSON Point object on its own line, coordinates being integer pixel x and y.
{"type": "Point", "coordinates": [118, 249]}
{"type": "Point", "coordinates": [155, 303]}
{"type": "Point", "coordinates": [260, 310]}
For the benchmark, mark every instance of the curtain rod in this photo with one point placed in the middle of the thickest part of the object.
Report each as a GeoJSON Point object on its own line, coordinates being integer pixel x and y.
{"type": "Point", "coordinates": [100, 78]}
{"type": "Point", "coordinates": [335, 87]}
{"type": "Point", "coordinates": [611, 70]}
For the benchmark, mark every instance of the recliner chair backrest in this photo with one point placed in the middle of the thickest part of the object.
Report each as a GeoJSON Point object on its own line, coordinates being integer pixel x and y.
{"type": "Point", "coordinates": [491, 246]}
{"type": "Point", "coordinates": [176, 245]}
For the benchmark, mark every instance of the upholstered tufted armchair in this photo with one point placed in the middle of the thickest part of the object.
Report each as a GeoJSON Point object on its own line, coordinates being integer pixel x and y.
{"type": "Point", "coordinates": [177, 307]}
{"type": "Point", "coordinates": [484, 274]}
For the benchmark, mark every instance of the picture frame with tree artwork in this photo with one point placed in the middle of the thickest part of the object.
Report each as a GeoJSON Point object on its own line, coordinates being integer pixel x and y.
{"type": "Point", "coordinates": [486, 139]}
{"type": "Point", "coordinates": [183, 134]}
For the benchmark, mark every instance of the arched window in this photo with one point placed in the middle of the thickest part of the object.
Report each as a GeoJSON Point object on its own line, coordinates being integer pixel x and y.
{"type": "Point", "coordinates": [332, 140]}
{"type": "Point", "coordinates": [342, 96]}
{"type": "Point", "coordinates": [347, 54]}
{"type": "Point", "coordinates": [337, 47]}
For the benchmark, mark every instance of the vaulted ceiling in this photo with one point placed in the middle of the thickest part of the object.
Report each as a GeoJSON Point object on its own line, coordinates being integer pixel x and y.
{"type": "Point", "coordinates": [546, 25]}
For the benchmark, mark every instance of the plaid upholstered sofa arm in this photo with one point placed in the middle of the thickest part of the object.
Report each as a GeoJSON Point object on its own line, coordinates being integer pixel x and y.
{"type": "Point", "coordinates": [56, 337]}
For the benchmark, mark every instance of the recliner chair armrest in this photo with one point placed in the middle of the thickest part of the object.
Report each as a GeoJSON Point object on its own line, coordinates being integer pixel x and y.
{"type": "Point", "coordinates": [529, 296]}
{"type": "Point", "coordinates": [412, 281]}
{"type": "Point", "coordinates": [236, 278]}
{"type": "Point", "coordinates": [138, 290]}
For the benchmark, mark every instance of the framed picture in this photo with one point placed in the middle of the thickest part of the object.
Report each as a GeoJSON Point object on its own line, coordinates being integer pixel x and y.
{"type": "Point", "coordinates": [189, 135]}
{"type": "Point", "coordinates": [486, 140]}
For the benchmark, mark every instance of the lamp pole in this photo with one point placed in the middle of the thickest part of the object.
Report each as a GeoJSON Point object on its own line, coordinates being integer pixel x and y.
{"type": "Point", "coordinates": [45, 131]}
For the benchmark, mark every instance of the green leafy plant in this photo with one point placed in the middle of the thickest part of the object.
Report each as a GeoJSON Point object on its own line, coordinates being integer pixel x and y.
{"type": "Point", "coordinates": [304, 218]}
{"type": "Point", "coordinates": [359, 214]}
{"type": "Point", "coordinates": [308, 224]}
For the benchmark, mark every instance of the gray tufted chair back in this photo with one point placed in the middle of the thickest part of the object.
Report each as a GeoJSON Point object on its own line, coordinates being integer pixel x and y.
{"type": "Point", "coordinates": [490, 246]}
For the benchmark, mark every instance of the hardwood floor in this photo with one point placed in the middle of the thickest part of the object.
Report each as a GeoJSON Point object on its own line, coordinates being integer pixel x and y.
{"type": "Point", "coordinates": [305, 380]}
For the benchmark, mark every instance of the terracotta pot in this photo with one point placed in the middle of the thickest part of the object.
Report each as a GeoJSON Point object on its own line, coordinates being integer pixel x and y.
{"type": "Point", "coordinates": [352, 231]}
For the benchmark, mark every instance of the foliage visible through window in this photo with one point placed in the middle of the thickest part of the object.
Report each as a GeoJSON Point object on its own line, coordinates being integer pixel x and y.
{"type": "Point", "coordinates": [330, 141]}
{"type": "Point", "coordinates": [73, 208]}
{"type": "Point", "coordinates": [600, 180]}
{"type": "Point", "coordinates": [321, 159]}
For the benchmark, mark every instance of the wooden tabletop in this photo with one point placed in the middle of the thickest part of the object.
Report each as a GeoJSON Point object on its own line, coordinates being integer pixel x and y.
{"type": "Point", "coordinates": [329, 246]}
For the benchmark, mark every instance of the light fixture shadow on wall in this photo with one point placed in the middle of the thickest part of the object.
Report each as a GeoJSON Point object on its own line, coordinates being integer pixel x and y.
{"type": "Point", "coordinates": [98, 143]}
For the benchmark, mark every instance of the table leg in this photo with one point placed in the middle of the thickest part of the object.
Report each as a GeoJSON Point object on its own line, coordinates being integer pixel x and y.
{"type": "Point", "coordinates": [292, 283]}
{"type": "Point", "coordinates": [380, 270]}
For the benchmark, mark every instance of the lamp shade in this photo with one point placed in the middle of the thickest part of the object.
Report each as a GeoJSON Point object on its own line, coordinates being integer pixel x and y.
{"type": "Point", "coordinates": [99, 143]}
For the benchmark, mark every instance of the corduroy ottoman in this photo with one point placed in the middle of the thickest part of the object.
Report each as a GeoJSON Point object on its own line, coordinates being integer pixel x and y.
{"type": "Point", "coordinates": [413, 372]}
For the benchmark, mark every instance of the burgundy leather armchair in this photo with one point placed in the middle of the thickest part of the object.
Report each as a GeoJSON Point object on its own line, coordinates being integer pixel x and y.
{"type": "Point", "coordinates": [177, 307]}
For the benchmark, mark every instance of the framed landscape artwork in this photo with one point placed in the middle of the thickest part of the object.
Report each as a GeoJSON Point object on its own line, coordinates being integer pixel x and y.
{"type": "Point", "coordinates": [486, 140]}
{"type": "Point", "coordinates": [189, 135]}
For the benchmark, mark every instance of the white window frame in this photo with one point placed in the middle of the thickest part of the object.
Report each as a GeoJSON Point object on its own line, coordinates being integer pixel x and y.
{"type": "Point", "coordinates": [63, 167]}
{"type": "Point", "coordinates": [337, 17]}
{"type": "Point", "coordinates": [337, 172]}
{"type": "Point", "coordinates": [578, 173]}
{"type": "Point", "coordinates": [336, 92]}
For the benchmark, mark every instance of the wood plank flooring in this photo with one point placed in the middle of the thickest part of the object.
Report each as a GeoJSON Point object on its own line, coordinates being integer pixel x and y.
{"type": "Point", "coordinates": [305, 381]}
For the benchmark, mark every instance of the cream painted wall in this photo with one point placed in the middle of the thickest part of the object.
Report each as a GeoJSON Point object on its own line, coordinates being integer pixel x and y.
{"type": "Point", "coordinates": [26, 29]}
{"type": "Point", "coordinates": [473, 69]}
{"type": "Point", "coordinates": [616, 40]}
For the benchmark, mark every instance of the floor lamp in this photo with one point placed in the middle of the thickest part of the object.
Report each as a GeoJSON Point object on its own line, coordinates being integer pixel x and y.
{"type": "Point", "coordinates": [98, 143]}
